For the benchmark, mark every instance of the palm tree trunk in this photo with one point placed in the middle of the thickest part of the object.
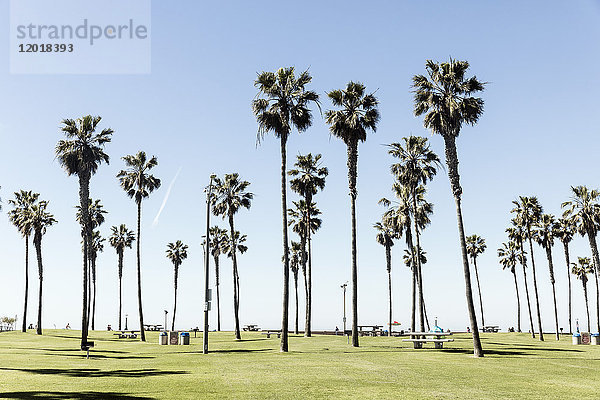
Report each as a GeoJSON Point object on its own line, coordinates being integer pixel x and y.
{"type": "Point", "coordinates": [286, 256]}
{"type": "Point", "coordinates": [592, 239]}
{"type": "Point", "coordinates": [527, 291]}
{"type": "Point", "coordinates": [176, 270]}
{"type": "Point", "coordinates": [24, 327]}
{"type": "Point", "coordinates": [352, 175]}
{"type": "Point", "coordinates": [94, 287]}
{"type": "Point", "coordinates": [139, 272]}
{"type": "Point", "coordinates": [89, 287]}
{"type": "Point", "coordinates": [552, 281]}
{"type": "Point", "coordinates": [587, 308]}
{"type": "Point", "coordinates": [296, 287]}
{"type": "Point", "coordinates": [236, 306]}
{"type": "Point", "coordinates": [452, 162]}
{"type": "Point", "coordinates": [304, 262]}
{"type": "Point", "coordinates": [478, 289]}
{"type": "Point", "coordinates": [514, 272]}
{"type": "Point", "coordinates": [84, 195]}
{"type": "Point", "coordinates": [409, 243]}
{"type": "Point", "coordinates": [418, 264]}
{"type": "Point", "coordinates": [566, 248]}
{"type": "Point", "coordinates": [121, 286]}
{"type": "Point", "coordinates": [537, 299]}
{"type": "Point", "coordinates": [308, 327]}
{"type": "Point", "coordinates": [38, 250]}
{"type": "Point", "coordinates": [388, 261]}
{"type": "Point", "coordinates": [216, 258]}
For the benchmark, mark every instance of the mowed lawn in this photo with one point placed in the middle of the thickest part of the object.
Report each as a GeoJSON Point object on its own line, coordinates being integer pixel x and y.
{"type": "Point", "coordinates": [515, 366]}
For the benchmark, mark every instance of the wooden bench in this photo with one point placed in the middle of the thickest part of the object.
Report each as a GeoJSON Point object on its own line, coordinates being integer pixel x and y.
{"type": "Point", "coordinates": [126, 334]}
{"type": "Point", "coordinates": [251, 328]}
{"type": "Point", "coordinates": [437, 338]}
{"type": "Point", "coordinates": [271, 332]}
{"type": "Point", "coordinates": [491, 328]}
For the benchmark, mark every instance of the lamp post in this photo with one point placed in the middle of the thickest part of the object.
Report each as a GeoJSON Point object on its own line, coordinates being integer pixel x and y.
{"type": "Point", "coordinates": [165, 326]}
{"type": "Point", "coordinates": [126, 315]}
{"type": "Point", "coordinates": [344, 286]}
{"type": "Point", "coordinates": [208, 191]}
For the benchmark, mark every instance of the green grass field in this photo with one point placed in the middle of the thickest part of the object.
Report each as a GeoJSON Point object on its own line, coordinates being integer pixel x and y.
{"type": "Point", "coordinates": [515, 366]}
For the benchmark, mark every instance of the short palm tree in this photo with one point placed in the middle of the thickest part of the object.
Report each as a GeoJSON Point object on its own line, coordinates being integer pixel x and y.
{"type": "Point", "coordinates": [40, 221]}
{"type": "Point", "coordinates": [357, 115]}
{"type": "Point", "coordinates": [446, 99]}
{"type": "Point", "coordinates": [517, 234]}
{"type": "Point", "coordinates": [528, 211]}
{"type": "Point", "coordinates": [282, 104]}
{"type": "Point", "coordinates": [218, 240]}
{"type": "Point", "coordinates": [581, 269]}
{"type": "Point", "coordinates": [410, 260]}
{"type": "Point", "coordinates": [476, 246]}
{"type": "Point", "coordinates": [565, 232]}
{"type": "Point", "coordinates": [138, 183]}
{"type": "Point", "coordinates": [20, 217]}
{"type": "Point", "coordinates": [584, 210]}
{"type": "Point", "coordinates": [509, 254]}
{"type": "Point", "coordinates": [81, 153]}
{"type": "Point", "coordinates": [385, 236]}
{"type": "Point", "coordinates": [230, 196]}
{"type": "Point", "coordinates": [417, 165]}
{"type": "Point", "coordinates": [176, 252]}
{"type": "Point", "coordinates": [544, 233]}
{"type": "Point", "coordinates": [121, 238]}
{"type": "Point", "coordinates": [309, 177]}
{"type": "Point", "coordinates": [296, 249]}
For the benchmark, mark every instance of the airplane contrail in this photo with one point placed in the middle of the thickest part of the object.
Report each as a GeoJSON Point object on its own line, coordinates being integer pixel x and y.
{"type": "Point", "coordinates": [164, 203]}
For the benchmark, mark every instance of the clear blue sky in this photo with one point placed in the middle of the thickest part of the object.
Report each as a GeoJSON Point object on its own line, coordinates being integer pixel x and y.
{"type": "Point", "coordinates": [538, 136]}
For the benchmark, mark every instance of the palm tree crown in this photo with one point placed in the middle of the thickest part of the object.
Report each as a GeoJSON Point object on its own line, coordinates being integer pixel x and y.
{"type": "Point", "coordinates": [136, 180]}
{"type": "Point", "coordinates": [583, 210]}
{"type": "Point", "coordinates": [231, 195]}
{"type": "Point", "coordinates": [545, 231]}
{"type": "Point", "coordinates": [20, 214]}
{"type": "Point", "coordinates": [177, 252]}
{"type": "Point", "coordinates": [508, 255]}
{"type": "Point", "coordinates": [417, 163]}
{"type": "Point", "coordinates": [475, 245]}
{"type": "Point", "coordinates": [121, 238]}
{"type": "Point", "coordinates": [582, 268]}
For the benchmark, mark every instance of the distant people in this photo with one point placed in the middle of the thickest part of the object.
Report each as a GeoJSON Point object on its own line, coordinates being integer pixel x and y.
{"type": "Point", "coordinates": [109, 328]}
{"type": "Point", "coordinates": [468, 329]}
{"type": "Point", "coordinates": [30, 326]}
{"type": "Point", "coordinates": [68, 326]}
{"type": "Point", "coordinates": [337, 330]}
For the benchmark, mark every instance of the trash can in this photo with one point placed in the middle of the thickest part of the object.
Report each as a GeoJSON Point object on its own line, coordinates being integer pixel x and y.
{"type": "Point", "coordinates": [163, 338]}
{"type": "Point", "coordinates": [173, 337]}
{"type": "Point", "coordinates": [184, 338]}
{"type": "Point", "coordinates": [595, 339]}
{"type": "Point", "coordinates": [576, 338]}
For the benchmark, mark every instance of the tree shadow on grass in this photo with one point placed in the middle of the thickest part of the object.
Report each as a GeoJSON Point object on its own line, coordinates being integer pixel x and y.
{"type": "Point", "coordinates": [96, 373]}
{"type": "Point", "coordinates": [72, 395]}
{"type": "Point", "coordinates": [516, 351]}
{"type": "Point", "coordinates": [225, 351]}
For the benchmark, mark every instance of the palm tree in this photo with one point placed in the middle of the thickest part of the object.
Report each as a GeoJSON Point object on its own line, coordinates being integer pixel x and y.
{"type": "Point", "coordinates": [20, 217]}
{"type": "Point", "coordinates": [218, 240]}
{"type": "Point", "coordinates": [528, 211]}
{"type": "Point", "coordinates": [284, 105]}
{"type": "Point", "coordinates": [581, 269]}
{"type": "Point", "coordinates": [120, 239]}
{"type": "Point", "coordinates": [176, 252]}
{"type": "Point", "coordinates": [417, 166]}
{"type": "Point", "coordinates": [544, 232]}
{"type": "Point", "coordinates": [81, 154]}
{"type": "Point", "coordinates": [96, 246]}
{"type": "Point", "coordinates": [508, 254]}
{"type": "Point", "coordinates": [357, 115]}
{"type": "Point", "coordinates": [584, 210]}
{"type": "Point", "coordinates": [138, 183]}
{"type": "Point", "coordinates": [476, 246]}
{"type": "Point", "coordinates": [565, 232]}
{"type": "Point", "coordinates": [385, 237]}
{"type": "Point", "coordinates": [309, 179]}
{"type": "Point", "coordinates": [294, 266]}
{"type": "Point", "coordinates": [230, 196]}
{"type": "Point", "coordinates": [410, 260]}
{"type": "Point", "coordinates": [446, 99]}
{"type": "Point", "coordinates": [40, 221]}
{"type": "Point", "coordinates": [517, 234]}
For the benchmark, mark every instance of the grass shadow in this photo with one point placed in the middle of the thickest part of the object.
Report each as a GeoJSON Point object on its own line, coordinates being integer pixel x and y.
{"type": "Point", "coordinates": [226, 351]}
{"type": "Point", "coordinates": [72, 395]}
{"type": "Point", "coordinates": [96, 373]}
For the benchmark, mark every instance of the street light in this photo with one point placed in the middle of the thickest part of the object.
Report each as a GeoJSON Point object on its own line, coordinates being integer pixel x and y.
{"type": "Point", "coordinates": [126, 315]}
{"type": "Point", "coordinates": [166, 312]}
{"type": "Point", "coordinates": [208, 191]}
{"type": "Point", "coordinates": [344, 286]}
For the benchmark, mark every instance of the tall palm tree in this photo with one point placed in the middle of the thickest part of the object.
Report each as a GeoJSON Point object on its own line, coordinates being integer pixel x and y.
{"type": "Point", "coordinates": [476, 246]}
{"type": "Point", "coordinates": [40, 221]}
{"type": "Point", "coordinates": [96, 246]}
{"type": "Point", "coordinates": [417, 165]}
{"type": "Point", "coordinates": [528, 212]}
{"type": "Point", "coordinates": [410, 260]}
{"type": "Point", "coordinates": [281, 104]}
{"type": "Point", "coordinates": [584, 210]}
{"type": "Point", "coordinates": [20, 217]}
{"type": "Point", "coordinates": [508, 254]}
{"type": "Point", "coordinates": [385, 236]}
{"type": "Point", "coordinates": [544, 232]}
{"type": "Point", "coordinates": [230, 196]}
{"type": "Point", "coordinates": [565, 232]}
{"type": "Point", "coordinates": [309, 178]}
{"type": "Point", "coordinates": [238, 240]}
{"type": "Point", "coordinates": [517, 234]}
{"type": "Point", "coordinates": [446, 99]}
{"type": "Point", "coordinates": [296, 249]}
{"type": "Point", "coordinates": [581, 269]}
{"type": "Point", "coordinates": [121, 238]}
{"type": "Point", "coordinates": [176, 252]}
{"type": "Point", "coordinates": [138, 183]}
{"type": "Point", "coordinates": [81, 153]}
{"type": "Point", "coordinates": [357, 114]}
{"type": "Point", "coordinates": [218, 240]}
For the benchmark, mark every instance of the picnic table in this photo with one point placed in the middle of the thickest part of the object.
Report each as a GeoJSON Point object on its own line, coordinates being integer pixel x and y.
{"type": "Point", "coordinates": [153, 327]}
{"type": "Point", "coordinates": [370, 330]}
{"type": "Point", "coordinates": [251, 328]}
{"type": "Point", "coordinates": [438, 338]}
{"type": "Point", "coordinates": [126, 334]}
{"type": "Point", "coordinates": [491, 328]}
{"type": "Point", "coordinates": [270, 332]}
